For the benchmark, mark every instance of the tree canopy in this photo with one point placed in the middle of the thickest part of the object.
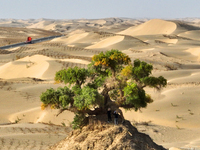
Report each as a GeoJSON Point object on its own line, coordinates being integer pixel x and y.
{"type": "Point", "coordinates": [111, 80]}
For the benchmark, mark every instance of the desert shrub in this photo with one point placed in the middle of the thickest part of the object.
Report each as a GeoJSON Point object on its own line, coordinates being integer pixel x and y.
{"type": "Point", "coordinates": [170, 67]}
{"type": "Point", "coordinates": [17, 57]}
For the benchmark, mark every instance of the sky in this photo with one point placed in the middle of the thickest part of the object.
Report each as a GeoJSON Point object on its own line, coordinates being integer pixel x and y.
{"type": "Point", "coordinates": [96, 9]}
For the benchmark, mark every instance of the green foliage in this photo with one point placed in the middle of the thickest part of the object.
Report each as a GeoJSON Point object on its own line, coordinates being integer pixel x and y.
{"type": "Point", "coordinates": [72, 75]}
{"type": "Point", "coordinates": [135, 97]}
{"type": "Point", "coordinates": [97, 82]}
{"type": "Point", "coordinates": [98, 74]}
{"type": "Point", "coordinates": [79, 121]}
{"type": "Point", "coordinates": [141, 72]}
{"type": "Point", "coordinates": [88, 98]}
{"type": "Point", "coordinates": [155, 82]}
{"type": "Point", "coordinates": [59, 98]}
{"type": "Point", "coordinates": [76, 89]}
{"type": "Point", "coordinates": [60, 75]}
{"type": "Point", "coordinates": [113, 60]}
{"type": "Point", "coordinates": [141, 69]}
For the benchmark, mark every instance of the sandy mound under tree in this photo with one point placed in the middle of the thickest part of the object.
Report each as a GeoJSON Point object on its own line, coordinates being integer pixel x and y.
{"type": "Point", "coordinates": [107, 137]}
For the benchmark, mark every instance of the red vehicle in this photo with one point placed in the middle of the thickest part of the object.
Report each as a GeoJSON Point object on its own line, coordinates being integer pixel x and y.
{"type": "Point", "coordinates": [29, 40]}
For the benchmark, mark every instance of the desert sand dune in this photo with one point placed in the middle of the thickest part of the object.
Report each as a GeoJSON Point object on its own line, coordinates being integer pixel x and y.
{"type": "Point", "coordinates": [183, 110]}
{"type": "Point", "coordinates": [27, 67]}
{"type": "Point", "coordinates": [195, 51]}
{"type": "Point", "coordinates": [107, 42]}
{"type": "Point", "coordinates": [172, 47]}
{"type": "Point", "coordinates": [93, 22]}
{"type": "Point", "coordinates": [127, 43]}
{"type": "Point", "coordinates": [195, 35]}
{"type": "Point", "coordinates": [41, 24]}
{"type": "Point", "coordinates": [79, 39]}
{"type": "Point", "coordinates": [32, 113]}
{"type": "Point", "coordinates": [89, 38]}
{"type": "Point", "coordinates": [151, 27]}
{"type": "Point", "coordinates": [99, 22]}
{"type": "Point", "coordinates": [36, 66]}
{"type": "Point", "coordinates": [72, 38]}
{"type": "Point", "coordinates": [169, 41]}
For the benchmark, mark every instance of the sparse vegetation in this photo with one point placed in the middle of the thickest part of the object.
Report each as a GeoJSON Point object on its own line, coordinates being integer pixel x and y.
{"type": "Point", "coordinates": [170, 67]}
{"type": "Point", "coordinates": [145, 123]}
{"type": "Point", "coordinates": [178, 117]}
{"type": "Point", "coordinates": [79, 121]}
{"type": "Point", "coordinates": [17, 120]}
{"type": "Point", "coordinates": [178, 127]}
{"type": "Point", "coordinates": [17, 57]}
{"type": "Point", "coordinates": [29, 64]}
{"type": "Point", "coordinates": [63, 124]}
{"type": "Point", "coordinates": [191, 113]}
{"type": "Point", "coordinates": [173, 105]}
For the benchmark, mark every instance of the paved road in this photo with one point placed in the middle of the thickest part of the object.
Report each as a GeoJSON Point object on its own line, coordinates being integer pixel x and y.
{"type": "Point", "coordinates": [33, 41]}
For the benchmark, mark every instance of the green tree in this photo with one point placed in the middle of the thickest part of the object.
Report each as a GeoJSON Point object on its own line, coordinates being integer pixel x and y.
{"type": "Point", "coordinates": [111, 81]}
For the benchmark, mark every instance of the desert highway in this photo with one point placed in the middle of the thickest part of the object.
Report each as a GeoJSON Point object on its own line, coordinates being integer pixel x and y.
{"type": "Point", "coordinates": [33, 41]}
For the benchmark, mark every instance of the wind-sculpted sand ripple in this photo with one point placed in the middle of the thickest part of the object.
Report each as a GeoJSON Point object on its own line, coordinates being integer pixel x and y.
{"type": "Point", "coordinates": [62, 47]}
{"type": "Point", "coordinates": [72, 64]}
{"type": "Point", "coordinates": [4, 52]}
{"type": "Point", "coordinates": [128, 37]}
{"type": "Point", "coordinates": [52, 44]}
{"type": "Point", "coordinates": [176, 37]}
{"type": "Point", "coordinates": [22, 49]}
{"type": "Point", "coordinates": [186, 84]}
{"type": "Point", "coordinates": [60, 55]}
{"type": "Point", "coordinates": [30, 136]}
{"type": "Point", "coordinates": [15, 144]}
{"type": "Point", "coordinates": [22, 52]}
{"type": "Point", "coordinates": [68, 48]}
{"type": "Point", "coordinates": [105, 34]}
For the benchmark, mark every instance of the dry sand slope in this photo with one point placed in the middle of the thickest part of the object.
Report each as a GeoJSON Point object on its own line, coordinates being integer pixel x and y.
{"type": "Point", "coordinates": [173, 47]}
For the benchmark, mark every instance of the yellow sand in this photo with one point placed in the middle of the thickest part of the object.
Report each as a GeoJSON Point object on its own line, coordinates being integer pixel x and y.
{"type": "Point", "coordinates": [152, 27]}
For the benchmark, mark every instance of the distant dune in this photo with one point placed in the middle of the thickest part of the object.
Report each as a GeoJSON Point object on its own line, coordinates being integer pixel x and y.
{"type": "Point", "coordinates": [34, 66]}
{"type": "Point", "coordinates": [107, 42]}
{"type": "Point", "coordinates": [151, 27]}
